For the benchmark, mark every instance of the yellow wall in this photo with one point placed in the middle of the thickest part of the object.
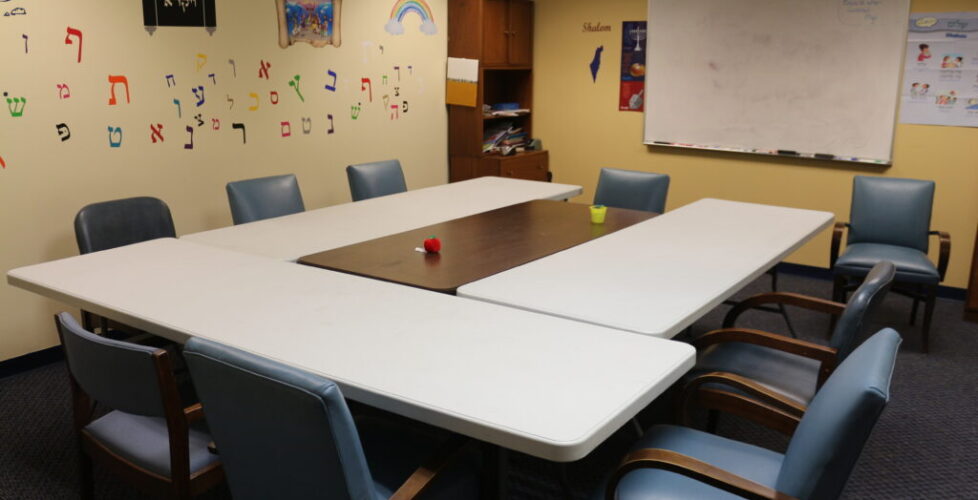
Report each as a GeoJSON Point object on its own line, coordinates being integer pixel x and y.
{"type": "Point", "coordinates": [579, 122]}
{"type": "Point", "coordinates": [46, 180]}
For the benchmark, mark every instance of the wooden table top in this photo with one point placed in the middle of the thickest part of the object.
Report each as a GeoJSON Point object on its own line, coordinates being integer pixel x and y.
{"type": "Point", "coordinates": [476, 246]}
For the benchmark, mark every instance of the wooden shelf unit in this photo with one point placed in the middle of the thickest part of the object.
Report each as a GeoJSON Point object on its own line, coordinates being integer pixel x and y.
{"type": "Point", "coordinates": [499, 33]}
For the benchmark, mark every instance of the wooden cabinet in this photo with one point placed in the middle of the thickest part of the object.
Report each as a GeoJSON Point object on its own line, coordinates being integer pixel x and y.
{"type": "Point", "coordinates": [499, 33]}
{"type": "Point", "coordinates": [507, 38]}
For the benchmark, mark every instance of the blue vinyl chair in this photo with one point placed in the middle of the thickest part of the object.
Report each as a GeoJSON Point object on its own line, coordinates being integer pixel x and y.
{"type": "Point", "coordinates": [679, 462]}
{"type": "Point", "coordinates": [631, 189]}
{"type": "Point", "coordinates": [891, 221]}
{"type": "Point", "coordinates": [149, 437]}
{"type": "Point", "coordinates": [380, 178]}
{"type": "Point", "coordinates": [111, 224]}
{"type": "Point", "coordinates": [771, 378]}
{"type": "Point", "coordinates": [264, 198]}
{"type": "Point", "coordinates": [285, 433]}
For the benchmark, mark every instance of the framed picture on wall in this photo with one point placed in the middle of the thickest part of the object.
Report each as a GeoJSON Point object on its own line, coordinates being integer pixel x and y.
{"type": "Point", "coordinates": [193, 13]}
{"type": "Point", "coordinates": [316, 22]}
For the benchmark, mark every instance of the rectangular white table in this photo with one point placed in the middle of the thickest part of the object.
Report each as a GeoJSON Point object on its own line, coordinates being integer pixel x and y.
{"type": "Point", "coordinates": [659, 276]}
{"type": "Point", "coordinates": [293, 236]}
{"type": "Point", "coordinates": [545, 386]}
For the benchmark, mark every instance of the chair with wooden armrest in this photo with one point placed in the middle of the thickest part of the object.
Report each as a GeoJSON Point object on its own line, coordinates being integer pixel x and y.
{"type": "Point", "coordinates": [149, 438]}
{"type": "Point", "coordinates": [263, 198]}
{"type": "Point", "coordinates": [115, 223]}
{"type": "Point", "coordinates": [379, 178]}
{"type": "Point", "coordinates": [771, 378]}
{"type": "Point", "coordinates": [679, 462]}
{"type": "Point", "coordinates": [285, 433]}
{"type": "Point", "coordinates": [890, 220]}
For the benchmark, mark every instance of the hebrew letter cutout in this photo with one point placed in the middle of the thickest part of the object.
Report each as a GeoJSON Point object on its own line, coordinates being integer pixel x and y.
{"type": "Point", "coordinates": [230, 101]}
{"type": "Point", "coordinates": [306, 125]}
{"type": "Point", "coordinates": [63, 131]}
{"type": "Point", "coordinates": [77, 34]}
{"type": "Point", "coordinates": [234, 68]}
{"type": "Point", "coordinates": [273, 97]}
{"type": "Point", "coordinates": [331, 130]}
{"type": "Point", "coordinates": [387, 100]}
{"type": "Point", "coordinates": [255, 97]}
{"type": "Point", "coordinates": [201, 61]}
{"type": "Point", "coordinates": [25, 37]}
{"type": "Point", "coordinates": [286, 129]}
{"type": "Point", "coordinates": [244, 133]}
{"type": "Point", "coordinates": [177, 102]}
{"type": "Point", "coordinates": [331, 88]}
{"type": "Point", "coordinates": [113, 143]}
{"type": "Point", "coordinates": [263, 71]}
{"type": "Point", "coordinates": [156, 133]}
{"type": "Point", "coordinates": [365, 85]}
{"type": "Point", "coordinates": [398, 69]}
{"type": "Point", "coordinates": [294, 83]}
{"type": "Point", "coordinates": [63, 91]}
{"type": "Point", "coordinates": [355, 111]}
{"type": "Point", "coordinates": [199, 94]}
{"type": "Point", "coordinates": [383, 79]}
{"type": "Point", "coordinates": [16, 105]}
{"type": "Point", "coordinates": [190, 145]}
{"type": "Point", "coordinates": [200, 119]}
{"type": "Point", "coordinates": [395, 111]}
{"type": "Point", "coordinates": [213, 78]}
{"type": "Point", "coordinates": [114, 79]}
{"type": "Point", "coordinates": [170, 81]}
{"type": "Point", "coordinates": [404, 107]}
{"type": "Point", "coordinates": [215, 124]}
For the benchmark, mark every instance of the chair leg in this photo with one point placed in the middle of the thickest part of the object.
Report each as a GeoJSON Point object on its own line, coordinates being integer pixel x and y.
{"type": "Point", "coordinates": [913, 310]}
{"type": "Point", "coordinates": [784, 312]}
{"type": "Point", "coordinates": [838, 295]}
{"type": "Point", "coordinates": [86, 476]}
{"type": "Point", "coordinates": [928, 314]}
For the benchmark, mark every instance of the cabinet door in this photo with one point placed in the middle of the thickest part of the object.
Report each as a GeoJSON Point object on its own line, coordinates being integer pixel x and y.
{"type": "Point", "coordinates": [520, 33]}
{"type": "Point", "coordinates": [531, 166]}
{"type": "Point", "coordinates": [495, 32]}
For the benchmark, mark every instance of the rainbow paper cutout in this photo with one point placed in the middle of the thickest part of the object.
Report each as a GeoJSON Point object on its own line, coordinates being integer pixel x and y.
{"type": "Point", "coordinates": [402, 8]}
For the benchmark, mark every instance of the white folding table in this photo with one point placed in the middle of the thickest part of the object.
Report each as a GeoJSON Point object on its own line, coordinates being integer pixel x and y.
{"type": "Point", "coordinates": [292, 236]}
{"type": "Point", "coordinates": [659, 276]}
{"type": "Point", "coordinates": [545, 386]}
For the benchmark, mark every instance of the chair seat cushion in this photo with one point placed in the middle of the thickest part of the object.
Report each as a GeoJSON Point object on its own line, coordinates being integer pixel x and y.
{"type": "Point", "coordinates": [791, 375]}
{"type": "Point", "coordinates": [748, 461]}
{"type": "Point", "coordinates": [912, 265]}
{"type": "Point", "coordinates": [145, 441]}
{"type": "Point", "coordinates": [395, 451]}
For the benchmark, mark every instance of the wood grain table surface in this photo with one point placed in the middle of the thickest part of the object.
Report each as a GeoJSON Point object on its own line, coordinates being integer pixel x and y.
{"type": "Point", "coordinates": [476, 246]}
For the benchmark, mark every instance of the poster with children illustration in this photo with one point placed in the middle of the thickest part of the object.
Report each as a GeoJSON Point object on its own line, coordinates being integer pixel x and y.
{"type": "Point", "coordinates": [940, 80]}
{"type": "Point", "coordinates": [316, 22]}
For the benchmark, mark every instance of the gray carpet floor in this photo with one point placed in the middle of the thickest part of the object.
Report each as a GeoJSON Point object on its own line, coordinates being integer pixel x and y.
{"type": "Point", "coordinates": [925, 445]}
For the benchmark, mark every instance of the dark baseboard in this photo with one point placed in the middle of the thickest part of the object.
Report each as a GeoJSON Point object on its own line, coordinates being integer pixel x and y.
{"type": "Point", "coordinates": [30, 361]}
{"type": "Point", "coordinates": [821, 273]}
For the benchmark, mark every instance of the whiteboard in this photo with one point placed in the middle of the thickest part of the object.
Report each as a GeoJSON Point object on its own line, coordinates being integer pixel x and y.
{"type": "Point", "coordinates": [811, 78]}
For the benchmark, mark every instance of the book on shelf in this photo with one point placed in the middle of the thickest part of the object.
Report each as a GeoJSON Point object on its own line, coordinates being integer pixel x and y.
{"type": "Point", "coordinates": [503, 138]}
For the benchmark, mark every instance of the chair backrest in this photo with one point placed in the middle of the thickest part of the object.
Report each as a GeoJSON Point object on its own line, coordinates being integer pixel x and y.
{"type": "Point", "coordinates": [630, 189]}
{"type": "Point", "coordinates": [264, 198]}
{"type": "Point", "coordinates": [862, 303]}
{"type": "Point", "coordinates": [281, 432]}
{"type": "Point", "coordinates": [839, 420]}
{"type": "Point", "coordinates": [111, 224]}
{"type": "Point", "coordinates": [118, 374]}
{"type": "Point", "coordinates": [891, 211]}
{"type": "Point", "coordinates": [380, 178]}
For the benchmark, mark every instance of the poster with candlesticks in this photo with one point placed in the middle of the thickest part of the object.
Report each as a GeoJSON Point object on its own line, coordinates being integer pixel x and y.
{"type": "Point", "coordinates": [940, 80]}
{"type": "Point", "coordinates": [632, 88]}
